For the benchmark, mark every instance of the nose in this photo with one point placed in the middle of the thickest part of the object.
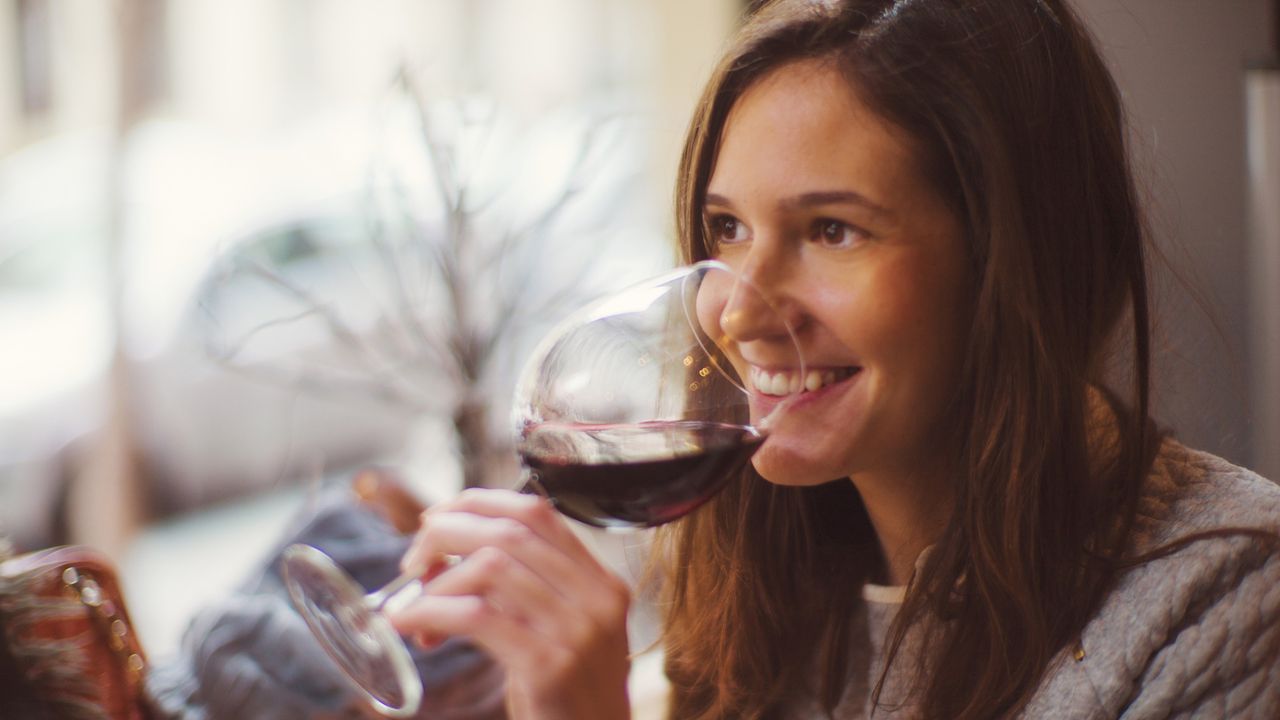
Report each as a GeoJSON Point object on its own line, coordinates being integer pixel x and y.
{"type": "Point", "coordinates": [748, 303]}
{"type": "Point", "coordinates": [749, 316]}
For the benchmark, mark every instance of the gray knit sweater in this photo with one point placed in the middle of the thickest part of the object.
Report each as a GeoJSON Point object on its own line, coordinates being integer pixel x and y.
{"type": "Point", "coordinates": [1192, 635]}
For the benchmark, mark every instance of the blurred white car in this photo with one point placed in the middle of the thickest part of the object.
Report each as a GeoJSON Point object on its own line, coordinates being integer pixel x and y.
{"type": "Point", "coordinates": [267, 377]}
{"type": "Point", "coordinates": [206, 430]}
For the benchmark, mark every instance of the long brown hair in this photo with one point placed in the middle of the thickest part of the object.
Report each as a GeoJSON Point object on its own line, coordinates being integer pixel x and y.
{"type": "Point", "coordinates": [1019, 124]}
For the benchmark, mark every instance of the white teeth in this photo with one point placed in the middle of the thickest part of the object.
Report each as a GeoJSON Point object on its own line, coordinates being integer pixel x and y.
{"type": "Point", "coordinates": [813, 380]}
{"type": "Point", "coordinates": [788, 383]}
{"type": "Point", "coordinates": [778, 384]}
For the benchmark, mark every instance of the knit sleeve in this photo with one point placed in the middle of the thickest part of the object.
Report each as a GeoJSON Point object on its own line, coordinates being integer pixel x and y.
{"type": "Point", "coordinates": [1222, 658]}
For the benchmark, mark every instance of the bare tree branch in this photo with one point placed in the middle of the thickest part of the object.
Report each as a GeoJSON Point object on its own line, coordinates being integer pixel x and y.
{"type": "Point", "coordinates": [441, 169]}
{"type": "Point", "coordinates": [404, 306]}
{"type": "Point", "coordinates": [456, 297]}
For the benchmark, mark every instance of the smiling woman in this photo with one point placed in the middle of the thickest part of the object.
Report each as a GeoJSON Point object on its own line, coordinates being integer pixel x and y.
{"type": "Point", "coordinates": [939, 194]}
{"type": "Point", "coordinates": [967, 511]}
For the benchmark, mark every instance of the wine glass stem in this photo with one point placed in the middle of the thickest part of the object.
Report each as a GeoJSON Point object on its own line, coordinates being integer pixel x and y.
{"type": "Point", "coordinates": [376, 600]}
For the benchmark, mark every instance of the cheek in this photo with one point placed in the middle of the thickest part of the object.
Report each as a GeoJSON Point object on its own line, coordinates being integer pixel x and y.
{"type": "Point", "coordinates": [903, 327]}
{"type": "Point", "coordinates": [876, 318]}
{"type": "Point", "coordinates": [920, 326]}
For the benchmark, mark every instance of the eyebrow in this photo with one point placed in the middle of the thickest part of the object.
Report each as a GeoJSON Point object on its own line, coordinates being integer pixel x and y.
{"type": "Point", "coordinates": [813, 199]}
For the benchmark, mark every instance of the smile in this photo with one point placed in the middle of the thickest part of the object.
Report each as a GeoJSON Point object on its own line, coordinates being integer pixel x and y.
{"type": "Point", "coordinates": [778, 383]}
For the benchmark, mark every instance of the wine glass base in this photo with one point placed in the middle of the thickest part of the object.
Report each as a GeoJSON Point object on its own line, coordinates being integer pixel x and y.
{"type": "Point", "coordinates": [359, 639]}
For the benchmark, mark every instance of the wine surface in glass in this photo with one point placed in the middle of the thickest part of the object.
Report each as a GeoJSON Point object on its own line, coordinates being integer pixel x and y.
{"type": "Point", "coordinates": [634, 475]}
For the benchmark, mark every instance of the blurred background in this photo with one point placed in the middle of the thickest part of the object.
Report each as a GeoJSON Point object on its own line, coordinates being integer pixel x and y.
{"type": "Point", "coordinates": [250, 246]}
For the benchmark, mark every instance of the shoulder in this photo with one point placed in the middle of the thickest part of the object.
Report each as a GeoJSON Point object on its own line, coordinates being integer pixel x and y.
{"type": "Point", "coordinates": [1189, 491]}
{"type": "Point", "coordinates": [1197, 629]}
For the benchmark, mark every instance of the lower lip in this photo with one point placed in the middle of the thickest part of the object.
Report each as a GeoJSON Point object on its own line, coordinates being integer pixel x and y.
{"type": "Point", "coordinates": [768, 402]}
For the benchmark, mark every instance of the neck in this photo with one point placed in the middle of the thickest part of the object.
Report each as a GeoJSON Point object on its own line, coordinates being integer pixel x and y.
{"type": "Point", "coordinates": [908, 513]}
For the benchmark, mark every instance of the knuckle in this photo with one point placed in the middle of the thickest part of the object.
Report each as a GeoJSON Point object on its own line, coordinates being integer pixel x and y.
{"type": "Point", "coordinates": [476, 613]}
{"type": "Point", "coordinates": [512, 533]}
{"type": "Point", "coordinates": [538, 511]}
{"type": "Point", "coordinates": [526, 510]}
{"type": "Point", "coordinates": [490, 560]}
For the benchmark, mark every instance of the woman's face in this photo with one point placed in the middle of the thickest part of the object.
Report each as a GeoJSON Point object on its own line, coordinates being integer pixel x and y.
{"type": "Point", "coordinates": [820, 202]}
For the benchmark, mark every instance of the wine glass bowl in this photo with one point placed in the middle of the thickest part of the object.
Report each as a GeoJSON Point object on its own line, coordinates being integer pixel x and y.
{"type": "Point", "coordinates": [635, 411]}
{"type": "Point", "coordinates": [631, 413]}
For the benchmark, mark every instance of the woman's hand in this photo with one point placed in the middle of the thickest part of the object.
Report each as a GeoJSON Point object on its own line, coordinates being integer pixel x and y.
{"type": "Point", "coordinates": [528, 592]}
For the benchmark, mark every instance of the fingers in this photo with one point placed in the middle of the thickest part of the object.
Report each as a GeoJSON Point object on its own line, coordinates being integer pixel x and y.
{"type": "Point", "coordinates": [535, 513]}
{"type": "Point", "coordinates": [521, 520]}
{"type": "Point", "coordinates": [527, 591]}
{"type": "Point", "coordinates": [582, 584]}
{"type": "Point", "coordinates": [512, 589]}
{"type": "Point", "coordinates": [444, 616]}
{"type": "Point", "coordinates": [520, 558]}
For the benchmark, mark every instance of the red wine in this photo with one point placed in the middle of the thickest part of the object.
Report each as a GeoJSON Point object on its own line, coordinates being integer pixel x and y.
{"type": "Point", "coordinates": [638, 475]}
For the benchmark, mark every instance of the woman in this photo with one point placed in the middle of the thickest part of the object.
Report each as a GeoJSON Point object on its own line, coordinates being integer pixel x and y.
{"type": "Point", "coordinates": [969, 514]}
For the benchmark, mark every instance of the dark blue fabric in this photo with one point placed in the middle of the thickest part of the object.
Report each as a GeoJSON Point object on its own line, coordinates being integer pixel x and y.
{"type": "Point", "coordinates": [250, 655]}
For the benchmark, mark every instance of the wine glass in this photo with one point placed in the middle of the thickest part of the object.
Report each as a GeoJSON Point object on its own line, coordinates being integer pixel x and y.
{"type": "Point", "coordinates": [631, 413]}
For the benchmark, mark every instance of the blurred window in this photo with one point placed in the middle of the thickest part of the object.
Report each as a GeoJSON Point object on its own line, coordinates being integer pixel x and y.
{"type": "Point", "coordinates": [35, 70]}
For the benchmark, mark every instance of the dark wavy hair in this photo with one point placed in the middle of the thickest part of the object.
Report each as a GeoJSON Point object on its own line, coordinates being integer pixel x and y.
{"type": "Point", "coordinates": [1018, 123]}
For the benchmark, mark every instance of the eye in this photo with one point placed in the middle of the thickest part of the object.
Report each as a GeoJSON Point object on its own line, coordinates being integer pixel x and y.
{"type": "Point", "coordinates": [835, 234]}
{"type": "Point", "coordinates": [726, 229]}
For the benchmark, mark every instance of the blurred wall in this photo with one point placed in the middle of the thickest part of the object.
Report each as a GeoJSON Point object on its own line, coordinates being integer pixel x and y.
{"type": "Point", "coordinates": [693, 34]}
{"type": "Point", "coordinates": [1264, 186]}
{"type": "Point", "coordinates": [1180, 65]}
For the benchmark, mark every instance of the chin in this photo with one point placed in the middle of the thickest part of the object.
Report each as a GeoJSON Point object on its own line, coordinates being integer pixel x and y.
{"type": "Point", "coordinates": [781, 469]}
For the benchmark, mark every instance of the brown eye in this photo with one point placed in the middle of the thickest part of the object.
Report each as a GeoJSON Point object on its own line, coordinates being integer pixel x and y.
{"type": "Point", "coordinates": [836, 234]}
{"type": "Point", "coordinates": [726, 229]}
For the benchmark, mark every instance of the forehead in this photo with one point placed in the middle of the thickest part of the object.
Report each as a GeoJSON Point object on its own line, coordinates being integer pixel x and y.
{"type": "Point", "coordinates": [804, 127]}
